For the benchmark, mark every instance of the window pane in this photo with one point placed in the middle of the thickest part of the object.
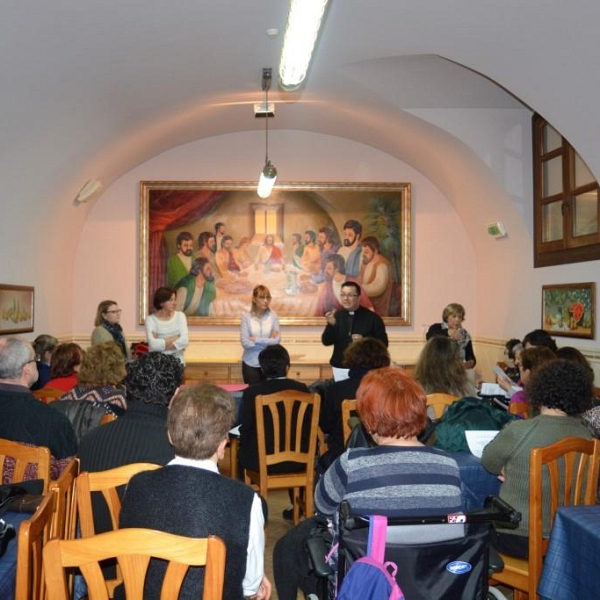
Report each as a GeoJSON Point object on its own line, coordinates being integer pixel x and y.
{"type": "Point", "coordinates": [585, 213]}
{"type": "Point", "coordinates": [552, 177]}
{"type": "Point", "coordinates": [582, 174]}
{"type": "Point", "coordinates": [552, 228]}
{"type": "Point", "coordinates": [551, 139]}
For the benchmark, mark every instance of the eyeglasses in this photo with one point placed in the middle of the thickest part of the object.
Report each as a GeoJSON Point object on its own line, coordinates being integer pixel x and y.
{"type": "Point", "coordinates": [263, 297]}
{"type": "Point", "coordinates": [33, 360]}
{"type": "Point", "coordinates": [116, 312]}
{"type": "Point", "coordinates": [348, 295]}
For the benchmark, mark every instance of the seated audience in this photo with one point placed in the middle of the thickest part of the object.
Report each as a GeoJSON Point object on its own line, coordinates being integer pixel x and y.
{"type": "Point", "coordinates": [539, 337]}
{"type": "Point", "coordinates": [360, 357]}
{"type": "Point", "coordinates": [530, 359]}
{"type": "Point", "coordinates": [64, 367]}
{"type": "Point", "coordinates": [451, 327]}
{"type": "Point", "coordinates": [275, 363]}
{"type": "Point", "coordinates": [43, 346]}
{"type": "Point", "coordinates": [380, 480]}
{"type": "Point", "coordinates": [510, 367]}
{"type": "Point", "coordinates": [440, 369]}
{"type": "Point", "coordinates": [561, 390]}
{"type": "Point", "coordinates": [102, 370]}
{"type": "Point", "coordinates": [189, 497]}
{"type": "Point", "coordinates": [140, 435]}
{"type": "Point", "coordinates": [25, 419]}
{"type": "Point", "coordinates": [591, 417]}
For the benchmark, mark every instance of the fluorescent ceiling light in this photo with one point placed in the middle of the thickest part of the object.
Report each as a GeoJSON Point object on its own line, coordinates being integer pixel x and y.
{"type": "Point", "coordinates": [304, 21]}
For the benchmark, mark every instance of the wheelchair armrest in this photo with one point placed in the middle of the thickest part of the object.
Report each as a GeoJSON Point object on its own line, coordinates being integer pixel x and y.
{"type": "Point", "coordinates": [504, 515]}
{"type": "Point", "coordinates": [317, 550]}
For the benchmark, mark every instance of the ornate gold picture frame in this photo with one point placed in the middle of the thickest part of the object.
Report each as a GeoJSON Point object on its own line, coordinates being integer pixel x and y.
{"type": "Point", "coordinates": [283, 242]}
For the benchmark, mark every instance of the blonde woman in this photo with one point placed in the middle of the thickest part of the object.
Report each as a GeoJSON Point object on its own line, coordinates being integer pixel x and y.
{"type": "Point", "coordinates": [260, 328]}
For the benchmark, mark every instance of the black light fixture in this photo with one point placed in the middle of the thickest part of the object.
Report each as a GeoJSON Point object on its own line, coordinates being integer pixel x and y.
{"type": "Point", "coordinates": [268, 175]}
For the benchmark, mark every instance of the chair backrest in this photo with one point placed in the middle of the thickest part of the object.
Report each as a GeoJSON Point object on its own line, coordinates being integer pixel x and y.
{"type": "Point", "coordinates": [521, 409]}
{"type": "Point", "coordinates": [64, 522]}
{"type": "Point", "coordinates": [348, 409]}
{"type": "Point", "coordinates": [439, 402]}
{"type": "Point", "coordinates": [48, 395]}
{"type": "Point", "coordinates": [19, 456]}
{"type": "Point", "coordinates": [133, 549]}
{"type": "Point", "coordinates": [292, 414]}
{"type": "Point", "coordinates": [107, 483]}
{"type": "Point", "coordinates": [33, 535]}
{"type": "Point", "coordinates": [568, 471]}
{"type": "Point", "coordinates": [108, 418]}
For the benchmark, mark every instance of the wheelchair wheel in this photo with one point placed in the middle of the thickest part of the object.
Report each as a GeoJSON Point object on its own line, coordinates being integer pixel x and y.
{"type": "Point", "coordinates": [495, 594]}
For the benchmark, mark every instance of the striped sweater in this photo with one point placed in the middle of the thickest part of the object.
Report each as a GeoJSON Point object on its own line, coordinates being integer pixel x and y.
{"type": "Point", "coordinates": [391, 480]}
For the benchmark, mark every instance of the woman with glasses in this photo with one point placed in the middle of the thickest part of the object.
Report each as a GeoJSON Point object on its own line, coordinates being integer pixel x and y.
{"type": "Point", "coordinates": [108, 326]}
{"type": "Point", "coordinates": [260, 328]}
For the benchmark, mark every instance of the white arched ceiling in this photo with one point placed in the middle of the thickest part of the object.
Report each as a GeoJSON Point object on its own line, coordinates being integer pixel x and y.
{"type": "Point", "coordinates": [91, 90]}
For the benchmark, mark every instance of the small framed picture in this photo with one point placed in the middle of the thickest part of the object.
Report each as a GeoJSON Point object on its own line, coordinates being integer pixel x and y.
{"type": "Point", "coordinates": [16, 309]}
{"type": "Point", "coordinates": [568, 309]}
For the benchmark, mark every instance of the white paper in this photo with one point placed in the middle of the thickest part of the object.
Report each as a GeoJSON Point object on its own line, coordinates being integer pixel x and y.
{"type": "Point", "coordinates": [492, 389]}
{"type": "Point", "coordinates": [478, 440]}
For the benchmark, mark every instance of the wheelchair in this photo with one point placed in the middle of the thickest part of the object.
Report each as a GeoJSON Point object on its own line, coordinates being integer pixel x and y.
{"type": "Point", "coordinates": [444, 557]}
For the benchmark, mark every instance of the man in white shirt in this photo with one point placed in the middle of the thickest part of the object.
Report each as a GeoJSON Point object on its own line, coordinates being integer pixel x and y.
{"type": "Point", "coordinates": [189, 497]}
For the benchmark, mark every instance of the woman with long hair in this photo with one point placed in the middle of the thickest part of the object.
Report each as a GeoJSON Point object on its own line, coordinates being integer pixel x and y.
{"type": "Point", "coordinates": [260, 328]}
{"type": "Point", "coordinates": [108, 326]}
{"type": "Point", "coordinates": [440, 369]}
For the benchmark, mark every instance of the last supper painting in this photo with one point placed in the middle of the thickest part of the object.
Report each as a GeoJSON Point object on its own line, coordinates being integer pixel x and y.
{"type": "Point", "coordinates": [213, 242]}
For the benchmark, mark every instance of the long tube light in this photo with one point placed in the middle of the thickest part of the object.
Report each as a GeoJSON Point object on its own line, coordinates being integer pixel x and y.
{"type": "Point", "coordinates": [304, 21]}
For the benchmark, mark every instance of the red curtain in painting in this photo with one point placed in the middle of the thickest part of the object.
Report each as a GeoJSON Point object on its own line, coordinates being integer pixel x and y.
{"type": "Point", "coordinates": [171, 209]}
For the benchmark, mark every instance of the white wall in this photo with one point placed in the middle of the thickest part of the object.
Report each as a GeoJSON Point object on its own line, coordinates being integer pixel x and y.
{"type": "Point", "coordinates": [107, 261]}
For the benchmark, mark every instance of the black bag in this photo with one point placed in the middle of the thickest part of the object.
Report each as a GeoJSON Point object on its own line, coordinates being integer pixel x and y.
{"type": "Point", "coordinates": [24, 496]}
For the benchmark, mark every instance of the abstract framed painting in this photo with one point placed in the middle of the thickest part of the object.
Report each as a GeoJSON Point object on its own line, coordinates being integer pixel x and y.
{"type": "Point", "coordinates": [213, 242]}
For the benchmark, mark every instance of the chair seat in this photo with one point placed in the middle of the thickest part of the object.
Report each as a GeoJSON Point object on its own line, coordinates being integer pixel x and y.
{"type": "Point", "coordinates": [515, 573]}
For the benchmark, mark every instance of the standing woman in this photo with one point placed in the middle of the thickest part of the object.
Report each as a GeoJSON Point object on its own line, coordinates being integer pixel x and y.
{"type": "Point", "coordinates": [260, 328]}
{"type": "Point", "coordinates": [166, 328]}
{"type": "Point", "coordinates": [108, 326]}
{"type": "Point", "coordinates": [451, 326]}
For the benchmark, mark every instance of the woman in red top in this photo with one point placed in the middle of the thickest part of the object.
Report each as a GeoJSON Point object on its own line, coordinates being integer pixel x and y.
{"type": "Point", "coordinates": [64, 367]}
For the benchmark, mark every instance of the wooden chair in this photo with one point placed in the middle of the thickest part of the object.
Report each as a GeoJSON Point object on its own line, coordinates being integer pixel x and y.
{"type": "Point", "coordinates": [107, 483]}
{"type": "Point", "coordinates": [108, 418]}
{"type": "Point", "coordinates": [64, 522]}
{"type": "Point", "coordinates": [300, 411]}
{"type": "Point", "coordinates": [48, 395]}
{"type": "Point", "coordinates": [439, 402]}
{"type": "Point", "coordinates": [24, 455]}
{"type": "Point", "coordinates": [133, 549]}
{"type": "Point", "coordinates": [578, 460]}
{"type": "Point", "coordinates": [521, 409]}
{"type": "Point", "coordinates": [348, 410]}
{"type": "Point", "coordinates": [33, 534]}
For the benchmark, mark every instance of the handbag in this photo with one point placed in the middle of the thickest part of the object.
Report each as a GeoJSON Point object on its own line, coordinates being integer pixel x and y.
{"type": "Point", "coordinates": [24, 496]}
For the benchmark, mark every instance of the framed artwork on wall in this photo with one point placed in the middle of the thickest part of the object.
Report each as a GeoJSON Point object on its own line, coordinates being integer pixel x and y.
{"type": "Point", "coordinates": [569, 309]}
{"type": "Point", "coordinates": [16, 309]}
{"type": "Point", "coordinates": [213, 242]}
